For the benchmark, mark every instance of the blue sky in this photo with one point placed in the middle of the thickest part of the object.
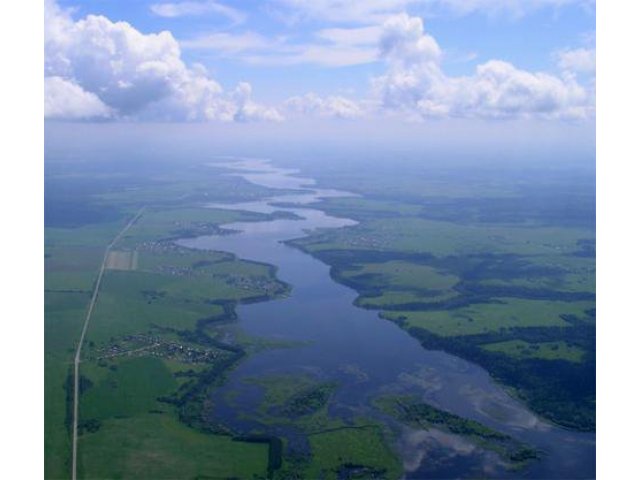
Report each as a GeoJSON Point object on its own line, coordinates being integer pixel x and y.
{"type": "Point", "coordinates": [277, 60]}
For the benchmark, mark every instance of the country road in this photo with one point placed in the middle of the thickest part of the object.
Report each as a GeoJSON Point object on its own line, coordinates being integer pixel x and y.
{"type": "Point", "coordinates": [76, 360]}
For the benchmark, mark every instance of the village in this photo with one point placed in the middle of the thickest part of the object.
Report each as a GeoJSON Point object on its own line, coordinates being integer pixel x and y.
{"type": "Point", "coordinates": [152, 345]}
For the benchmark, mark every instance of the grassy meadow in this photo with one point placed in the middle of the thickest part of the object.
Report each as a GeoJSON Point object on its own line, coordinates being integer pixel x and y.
{"type": "Point", "coordinates": [146, 340]}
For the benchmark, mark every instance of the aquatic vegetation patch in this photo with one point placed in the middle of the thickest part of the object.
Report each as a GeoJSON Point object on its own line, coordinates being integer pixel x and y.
{"type": "Point", "coordinates": [417, 414]}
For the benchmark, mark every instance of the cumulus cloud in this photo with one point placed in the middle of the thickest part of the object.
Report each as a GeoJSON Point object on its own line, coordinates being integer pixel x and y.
{"type": "Point", "coordinates": [500, 89]}
{"type": "Point", "coordinates": [248, 110]}
{"type": "Point", "coordinates": [134, 75]}
{"type": "Point", "coordinates": [404, 41]}
{"type": "Point", "coordinates": [64, 99]}
{"type": "Point", "coordinates": [331, 106]}
{"type": "Point", "coordinates": [96, 68]}
{"type": "Point", "coordinates": [415, 83]}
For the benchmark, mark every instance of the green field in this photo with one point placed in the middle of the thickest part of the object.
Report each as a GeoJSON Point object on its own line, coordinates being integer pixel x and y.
{"type": "Point", "coordinates": [545, 350]}
{"type": "Point", "coordinates": [126, 431]}
{"type": "Point", "coordinates": [70, 270]}
{"type": "Point", "coordinates": [147, 329]}
{"type": "Point", "coordinates": [398, 299]}
{"type": "Point", "coordinates": [154, 329]}
{"type": "Point", "coordinates": [504, 314]}
{"type": "Point", "coordinates": [129, 388]}
{"type": "Point", "coordinates": [169, 223]}
{"type": "Point", "coordinates": [361, 449]}
{"type": "Point", "coordinates": [155, 446]}
{"type": "Point", "coordinates": [404, 275]}
{"type": "Point", "coordinates": [439, 238]}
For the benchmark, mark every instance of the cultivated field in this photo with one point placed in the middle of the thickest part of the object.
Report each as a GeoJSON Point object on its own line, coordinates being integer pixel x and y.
{"type": "Point", "coordinates": [122, 260]}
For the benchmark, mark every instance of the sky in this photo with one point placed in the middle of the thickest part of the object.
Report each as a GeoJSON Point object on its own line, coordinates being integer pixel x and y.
{"type": "Point", "coordinates": [340, 62]}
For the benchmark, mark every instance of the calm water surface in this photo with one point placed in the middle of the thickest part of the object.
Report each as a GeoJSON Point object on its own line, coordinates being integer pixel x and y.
{"type": "Point", "coordinates": [369, 356]}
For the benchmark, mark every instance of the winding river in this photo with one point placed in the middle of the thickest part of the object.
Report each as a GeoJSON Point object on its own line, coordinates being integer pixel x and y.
{"type": "Point", "coordinates": [367, 355]}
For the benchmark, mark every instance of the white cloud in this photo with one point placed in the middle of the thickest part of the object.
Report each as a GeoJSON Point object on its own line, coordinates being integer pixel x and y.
{"type": "Point", "coordinates": [332, 47]}
{"type": "Point", "coordinates": [250, 111]}
{"type": "Point", "coordinates": [500, 89]}
{"type": "Point", "coordinates": [515, 8]}
{"type": "Point", "coordinates": [580, 60]}
{"type": "Point", "coordinates": [376, 11]}
{"type": "Point", "coordinates": [351, 36]}
{"type": "Point", "coordinates": [184, 9]}
{"type": "Point", "coordinates": [404, 41]}
{"type": "Point", "coordinates": [341, 11]}
{"type": "Point", "coordinates": [135, 75]}
{"type": "Point", "coordinates": [416, 85]}
{"type": "Point", "coordinates": [234, 43]}
{"type": "Point", "coordinates": [331, 106]}
{"type": "Point", "coordinates": [315, 54]}
{"type": "Point", "coordinates": [65, 99]}
{"type": "Point", "coordinates": [96, 68]}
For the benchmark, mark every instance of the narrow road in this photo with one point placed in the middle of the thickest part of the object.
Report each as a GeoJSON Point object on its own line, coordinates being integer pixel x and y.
{"type": "Point", "coordinates": [76, 360]}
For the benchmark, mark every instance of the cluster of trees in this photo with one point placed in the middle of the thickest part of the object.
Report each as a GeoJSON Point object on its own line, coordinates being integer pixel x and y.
{"type": "Point", "coordinates": [424, 415]}
{"type": "Point", "coordinates": [561, 391]}
{"type": "Point", "coordinates": [421, 413]}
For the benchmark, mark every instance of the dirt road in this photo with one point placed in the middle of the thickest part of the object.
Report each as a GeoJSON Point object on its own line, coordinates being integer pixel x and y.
{"type": "Point", "coordinates": [76, 360]}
